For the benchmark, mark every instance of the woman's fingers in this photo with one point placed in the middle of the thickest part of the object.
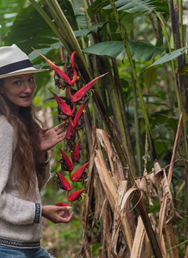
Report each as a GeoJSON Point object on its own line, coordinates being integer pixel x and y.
{"type": "Point", "coordinates": [67, 218]}
{"type": "Point", "coordinates": [59, 128]}
{"type": "Point", "coordinates": [61, 137]}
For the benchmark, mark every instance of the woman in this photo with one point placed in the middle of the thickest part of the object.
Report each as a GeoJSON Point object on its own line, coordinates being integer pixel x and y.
{"type": "Point", "coordinates": [24, 168]}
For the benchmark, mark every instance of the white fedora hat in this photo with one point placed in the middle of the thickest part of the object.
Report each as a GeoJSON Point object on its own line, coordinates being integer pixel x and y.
{"type": "Point", "coordinates": [13, 61]}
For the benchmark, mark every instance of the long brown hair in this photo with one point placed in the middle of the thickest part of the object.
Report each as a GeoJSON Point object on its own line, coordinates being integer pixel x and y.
{"type": "Point", "coordinates": [27, 153]}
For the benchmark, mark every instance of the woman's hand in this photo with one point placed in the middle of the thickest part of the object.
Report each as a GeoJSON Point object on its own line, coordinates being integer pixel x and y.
{"type": "Point", "coordinates": [49, 138]}
{"type": "Point", "coordinates": [57, 214]}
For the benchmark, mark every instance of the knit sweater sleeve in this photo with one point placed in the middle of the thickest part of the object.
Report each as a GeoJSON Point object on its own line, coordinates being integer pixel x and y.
{"type": "Point", "coordinates": [13, 209]}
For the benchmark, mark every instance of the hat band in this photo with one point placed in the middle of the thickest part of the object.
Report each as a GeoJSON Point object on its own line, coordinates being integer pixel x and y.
{"type": "Point", "coordinates": [15, 66]}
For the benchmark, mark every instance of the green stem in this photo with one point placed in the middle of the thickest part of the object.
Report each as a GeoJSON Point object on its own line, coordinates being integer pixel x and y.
{"type": "Point", "coordinates": [137, 131]}
{"type": "Point", "coordinates": [135, 78]}
{"type": "Point", "coordinates": [170, 50]}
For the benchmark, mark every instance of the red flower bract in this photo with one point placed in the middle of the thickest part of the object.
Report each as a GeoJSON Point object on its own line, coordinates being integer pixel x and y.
{"type": "Point", "coordinates": [55, 68]}
{"type": "Point", "coordinates": [75, 195]}
{"type": "Point", "coordinates": [80, 93]}
{"type": "Point", "coordinates": [70, 166]}
{"type": "Point", "coordinates": [72, 60]}
{"type": "Point", "coordinates": [76, 153]}
{"type": "Point", "coordinates": [78, 173]}
{"type": "Point", "coordinates": [61, 204]}
{"type": "Point", "coordinates": [63, 106]}
{"type": "Point", "coordinates": [63, 182]}
{"type": "Point", "coordinates": [69, 128]}
{"type": "Point", "coordinates": [77, 116]}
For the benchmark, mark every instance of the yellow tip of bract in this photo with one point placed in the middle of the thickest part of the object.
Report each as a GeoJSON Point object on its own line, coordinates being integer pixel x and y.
{"type": "Point", "coordinates": [78, 78]}
{"type": "Point", "coordinates": [84, 110]}
{"type": "Point", "coordinates": [49, 61]}
{"type": "Point", "coordinates": [82, 197]}
{"type": "Point", "coordinates": [61, 87]}
{"type": "Point", "coordinates": [87, 170]}
{"type": "Point", "coordinates": [91, 92]}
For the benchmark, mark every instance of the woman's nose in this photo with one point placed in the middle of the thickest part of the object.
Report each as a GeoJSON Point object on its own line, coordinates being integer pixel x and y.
{"type": "Point", "coordinates": [27, 87]}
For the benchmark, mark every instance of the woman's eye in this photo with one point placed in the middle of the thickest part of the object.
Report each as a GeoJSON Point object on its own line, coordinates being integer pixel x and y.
{"type": "Point", "coordinates": [17, 82]}
{"type": "Point", "coordinates": [31, 79]}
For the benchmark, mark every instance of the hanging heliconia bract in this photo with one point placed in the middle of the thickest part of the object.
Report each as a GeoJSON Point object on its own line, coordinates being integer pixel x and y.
{"type": "Point", "coordinates": [71, 124]}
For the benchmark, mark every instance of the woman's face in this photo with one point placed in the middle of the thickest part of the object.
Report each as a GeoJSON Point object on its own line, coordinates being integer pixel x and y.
{"type": "Point", "coordinates": [18, 90]}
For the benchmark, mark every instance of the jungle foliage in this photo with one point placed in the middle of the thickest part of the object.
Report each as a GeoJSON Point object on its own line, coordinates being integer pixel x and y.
{"type": "Point", "coordinates": [136, 128]}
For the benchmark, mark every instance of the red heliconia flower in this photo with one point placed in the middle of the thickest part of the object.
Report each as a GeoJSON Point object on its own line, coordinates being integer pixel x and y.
{"type": "Point", "coordinates": [77, 116]}
{"type": "Point", "coordinates": [80, 93]}
{"type": "Point", "coordinates": [75, 155]}
{"type": "Point", "coordinates": [75, 195]}
{"type": "Point", "coordinates": [70, 166]}
{"type": "Point", "coordinates": [72, 60]}
{"type": "Point", "coordinates": [74, 77]}
{"type": "Point", "coordinates": [55, 68]}
{"type": "Point", "coordinates": [63, 106]}
{"type": "Point", "coordinates": [63, 182]}
{"type": "Point", "coordinates": [69, 128]}
{"type": "Point", "coordinates": [78, 173]}
{"type": "Point", "coordinates": [72, 125]}
{"type": "Point", "coordinates": [73, 68]}
{"type": "Point", "coordinates": [62, 204]}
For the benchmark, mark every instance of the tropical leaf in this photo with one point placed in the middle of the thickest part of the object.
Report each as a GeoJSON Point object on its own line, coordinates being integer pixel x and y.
{"type": "Point", "coordinates": [8, 12]}
{"type": "Point", "coordinates": [133, 6]}
{"type": "Point", "coordinates": [117, 4]}
{"type": "Point", "coordinates": [80, 14]}
{"type": "Point", "coordinates": [67, 8]}
{"type": "Point", "coordinates": [143, 50]}
{"type": "Point", "coordinates": [170, 56]}
{"type": "Point", "coordinates": [109, 48]}
{"type": "Point", "coordinates": [150, 76]}
{"type": "Point", "coordinates": [92, 29]}
{"type": "Point", "coordinates": [96, 6]}
{"type": "Point", "coordinates": [30, 30]}
{"type": "Point", "coordinates": [140, 50]}
{"type": "Point", "coordinates": [33, 56]}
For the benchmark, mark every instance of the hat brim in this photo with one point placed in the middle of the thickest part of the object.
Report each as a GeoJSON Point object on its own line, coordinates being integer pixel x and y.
{"type": "Point", "coordinates": [29, 70]}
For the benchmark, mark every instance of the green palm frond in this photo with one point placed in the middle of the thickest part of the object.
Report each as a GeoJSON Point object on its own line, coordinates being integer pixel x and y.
{"type": "Point", "coordinates": [134, 6]}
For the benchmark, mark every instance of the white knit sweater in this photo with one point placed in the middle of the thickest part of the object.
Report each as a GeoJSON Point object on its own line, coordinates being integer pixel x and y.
{"type": "Point", "coordinates": [20, 215]}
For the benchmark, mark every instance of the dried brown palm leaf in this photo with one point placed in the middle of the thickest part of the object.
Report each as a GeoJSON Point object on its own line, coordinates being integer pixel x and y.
{"type": "Point", "coordinates": [138, 240]}
{"type": "Point", "coordinates": [147, 185]}
{"type": "Point", "coordinates": [115, 165]}
{"type": "Point", "coordinates": [147, 251]}
{"type": "Point", "coordinates": [124, 222]}
{"type": "Point", "coordinates": [105, 178]}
